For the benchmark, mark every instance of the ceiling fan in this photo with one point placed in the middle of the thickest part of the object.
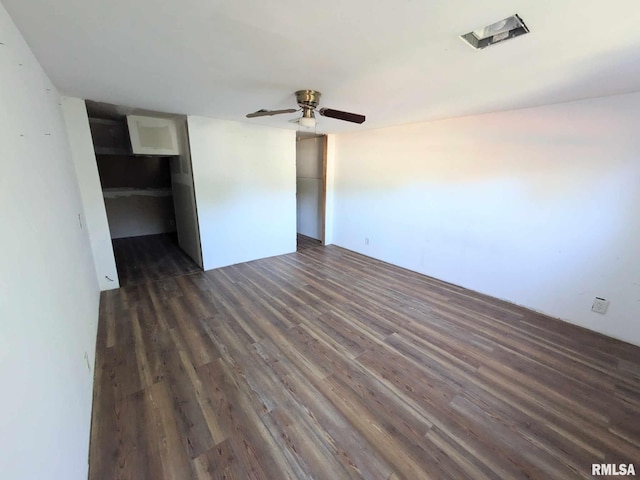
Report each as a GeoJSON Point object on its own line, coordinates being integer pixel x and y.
{"type": "Point", "coordinates": [308, 101]}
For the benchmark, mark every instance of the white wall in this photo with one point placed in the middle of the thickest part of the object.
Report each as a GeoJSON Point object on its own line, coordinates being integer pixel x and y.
{"type": "Point", "coordinates": [48, 290]}
{"type": "Point", "coordinates": [309, 184]}
{"type": "Point", "coordinates": [540, 207]}
{"type": "Point", "coordinates": [330, 195]}
{"type": "Point", "coordinates": [245, 184]}
{"type": "Point", "coordinates": [84, 159]}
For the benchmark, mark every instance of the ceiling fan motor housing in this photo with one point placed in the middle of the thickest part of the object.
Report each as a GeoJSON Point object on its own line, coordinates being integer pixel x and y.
{"type": "Point", "coordinates": [308, 98]}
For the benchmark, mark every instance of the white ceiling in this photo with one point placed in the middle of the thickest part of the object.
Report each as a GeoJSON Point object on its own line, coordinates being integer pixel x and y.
{"type": "Point", "coordinates": [397, 61]}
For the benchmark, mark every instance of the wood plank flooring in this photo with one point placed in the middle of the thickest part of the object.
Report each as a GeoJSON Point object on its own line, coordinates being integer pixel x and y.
{"type": "Point", "coordinates": [326, 364]}
{"type": "Point", "coordinates": [304, 242]}
{"type": "Point", "coordinates": [149, 258]}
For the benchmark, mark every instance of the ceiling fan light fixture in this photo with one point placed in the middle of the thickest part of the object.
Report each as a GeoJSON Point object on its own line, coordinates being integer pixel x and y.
{"type": "Point", "coordinates": [308, 119]}
{"type": "Point", "coordinates": [504, 29]}
{"type": "Point", "coordinates": [308, 101]}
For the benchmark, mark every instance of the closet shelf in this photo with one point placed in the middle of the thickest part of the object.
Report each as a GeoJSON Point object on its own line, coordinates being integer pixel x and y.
{"type": "Point", "coordinates": [127, 192]}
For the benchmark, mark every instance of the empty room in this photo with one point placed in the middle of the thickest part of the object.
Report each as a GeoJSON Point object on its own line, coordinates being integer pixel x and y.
{"type": "Point", "coordinates": [341, 240]}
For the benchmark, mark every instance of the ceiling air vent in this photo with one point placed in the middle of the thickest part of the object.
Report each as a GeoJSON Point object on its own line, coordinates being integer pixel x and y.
{"type": "Point", "coordinates": [510, 27]}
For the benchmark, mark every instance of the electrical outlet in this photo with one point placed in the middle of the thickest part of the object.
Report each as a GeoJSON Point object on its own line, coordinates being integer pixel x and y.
{"type": "Point", "coordinates": [600, 305]}
{"type": "Point", "coordinates": [366, 241]}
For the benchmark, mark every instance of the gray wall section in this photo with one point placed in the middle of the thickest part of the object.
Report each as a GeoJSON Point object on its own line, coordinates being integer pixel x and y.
{"type": "Point", "coordinates": [137, 194]}
{"type": "Point", "coordinates": [135, 214]}
{"type": "Point", "coordinates": [184, 200]}
{"type": "Point", "coordinates": [130, 171]}
{"type": "Point", "coordinates": [309, 187]}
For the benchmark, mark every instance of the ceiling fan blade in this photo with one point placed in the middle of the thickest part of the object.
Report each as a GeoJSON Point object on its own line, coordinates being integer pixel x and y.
{"type": "Point", "coordinates": [340, 115]}
{"type": "Point", "coordinates": [268, 113]}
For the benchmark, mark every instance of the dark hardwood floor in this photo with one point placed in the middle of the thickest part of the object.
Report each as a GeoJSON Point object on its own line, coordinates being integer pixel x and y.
{"type": "Point", "coordinates": [150, 258]}
{"type": "Point", "coordinates": [304, 242]}
{"type": "Point", "coordinates": [326, 364]}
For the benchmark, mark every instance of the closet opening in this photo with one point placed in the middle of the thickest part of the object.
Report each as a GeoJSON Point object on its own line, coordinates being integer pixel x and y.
{"type": "Point", "coordinates": [144, 166]}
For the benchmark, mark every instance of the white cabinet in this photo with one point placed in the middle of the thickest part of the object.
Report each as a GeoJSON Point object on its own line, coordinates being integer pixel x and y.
{"type": "Point", "coordinates": [153, 136]}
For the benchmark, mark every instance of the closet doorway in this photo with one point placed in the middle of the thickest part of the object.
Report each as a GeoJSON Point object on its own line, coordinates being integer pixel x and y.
{"type": "Point", "coordinates": [311, 188]}
{"type": "Point", "coordinates": [149, 198]}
